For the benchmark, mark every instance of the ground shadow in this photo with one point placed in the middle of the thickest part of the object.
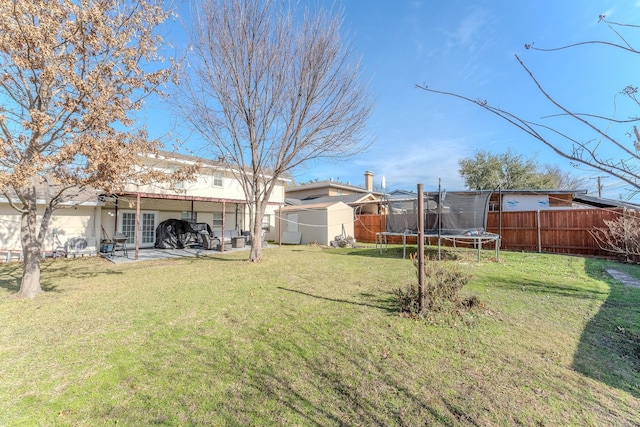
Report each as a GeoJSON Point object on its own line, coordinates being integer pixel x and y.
{"type": "Point", "coordinates": [609, 348]}
{"type": "Point", "coordinates": [541, 287]}
{"type": "Point", "coordinates": [333, 396]}
{"type": "Point", "coordinates": [387, 303]}
{"type": "Point", "coordinates": [10, 275]}
{"type": "Point", "coordinates": [396, 252]}
{"type": "Point", "coordinates": [53, 272]}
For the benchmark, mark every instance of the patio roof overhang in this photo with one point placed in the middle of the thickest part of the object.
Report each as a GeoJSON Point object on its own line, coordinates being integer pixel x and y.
{"type": "Point", "coordinates": [184, 197]}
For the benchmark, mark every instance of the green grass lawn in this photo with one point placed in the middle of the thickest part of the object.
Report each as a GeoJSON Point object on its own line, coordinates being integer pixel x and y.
{"type": "Point", "coordinates": [312, 336]}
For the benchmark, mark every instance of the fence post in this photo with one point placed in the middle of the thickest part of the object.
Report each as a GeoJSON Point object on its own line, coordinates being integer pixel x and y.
{"type": "Point", "coordinates": [539, 234]}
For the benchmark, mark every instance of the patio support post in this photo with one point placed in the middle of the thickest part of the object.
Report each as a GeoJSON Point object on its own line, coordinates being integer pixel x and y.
{"type": "Point", "coordinates": [280, 226]}
{"type": "Point", "coordinates": [115, 225]}
{"type": "Point", "coordinates": [138, 229]}
{"type": "Point", "coordinates": [224, 208]}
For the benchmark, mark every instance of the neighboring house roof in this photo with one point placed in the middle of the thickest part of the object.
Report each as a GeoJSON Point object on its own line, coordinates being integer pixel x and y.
{"type": "Point", "coordinates": [604, 203]}
{"type": "Point", "coordinates": [349, 199]}
{"type": "Point", "coordinates": [536, 192]}
{"type": "Point", "coordinates": [401, 193]}
{"type": "Point", "coordinates": [323, 205]}
{"type": "Point", "coordinates": [578, 197]}
{"type": "Point", "coordinates": [356, 201]}
{"type": "Point", "coordinates": [404, 193]}
{"type": "Point", "coordinates": [332, 184]}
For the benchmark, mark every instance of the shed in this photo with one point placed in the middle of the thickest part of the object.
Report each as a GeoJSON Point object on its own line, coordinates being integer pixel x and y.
{"type": "Point", "coordinates": [316, 222]}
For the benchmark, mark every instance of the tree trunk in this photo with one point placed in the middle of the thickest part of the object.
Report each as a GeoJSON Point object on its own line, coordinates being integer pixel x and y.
{"type": "Point", "coordinates": [31, 251]}
{"type": "Point", "coordinates": [256, 240]}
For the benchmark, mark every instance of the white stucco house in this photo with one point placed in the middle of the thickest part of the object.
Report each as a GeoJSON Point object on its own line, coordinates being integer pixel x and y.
{"type": "Point", "coordinates": [214, 197]}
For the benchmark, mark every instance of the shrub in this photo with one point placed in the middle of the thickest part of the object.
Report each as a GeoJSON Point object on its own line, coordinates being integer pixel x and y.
{"type": "Point", "coordinates": [621, 236]}
{"type": "Point", "coordinates": [442, 284]}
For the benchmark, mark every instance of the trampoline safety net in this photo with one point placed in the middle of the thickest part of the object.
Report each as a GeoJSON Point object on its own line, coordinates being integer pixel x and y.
{"type": "Point", "coordinates": [445, 214]}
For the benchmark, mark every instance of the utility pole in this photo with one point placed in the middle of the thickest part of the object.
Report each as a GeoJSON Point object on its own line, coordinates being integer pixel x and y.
{"type": "Point", "coordinates": [600, 186]}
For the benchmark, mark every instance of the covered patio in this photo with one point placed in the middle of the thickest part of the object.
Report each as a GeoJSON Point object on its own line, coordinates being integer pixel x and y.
{"type": "Point", "coordinates": [149, 254]}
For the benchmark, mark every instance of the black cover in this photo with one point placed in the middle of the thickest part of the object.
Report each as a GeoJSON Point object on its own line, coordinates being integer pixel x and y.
{"type": "Point", "coordinates": [177, 234]}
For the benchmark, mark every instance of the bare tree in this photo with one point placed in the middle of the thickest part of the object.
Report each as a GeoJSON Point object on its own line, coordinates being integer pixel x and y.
{"type": "Point", "coordinates": [621, 236]}
{"type": "Point", "coordinates": [71, 74]}
{"type": "Point", "coordinates": [563, 180]}
{"type": "Point", "coordinates": [620, 136]}
{"type": "Point", "coordinates": [270, 90]}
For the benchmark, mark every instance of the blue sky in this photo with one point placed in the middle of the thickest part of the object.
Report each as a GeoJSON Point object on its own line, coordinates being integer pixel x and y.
{"type": "Point", "coordinates": [468, 47]}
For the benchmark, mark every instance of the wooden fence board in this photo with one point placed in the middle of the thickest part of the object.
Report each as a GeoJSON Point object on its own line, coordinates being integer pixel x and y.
{"type": "Point", "coordinates": [560, 231]}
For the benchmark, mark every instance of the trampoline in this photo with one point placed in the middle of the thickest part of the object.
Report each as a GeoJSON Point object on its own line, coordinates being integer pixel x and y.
{"type": "Point", "coordinates": [448, 216]}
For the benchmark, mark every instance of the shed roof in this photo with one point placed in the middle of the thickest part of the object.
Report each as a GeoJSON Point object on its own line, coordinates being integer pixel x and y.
{"type": "Point", "coordinates": [318, 206]}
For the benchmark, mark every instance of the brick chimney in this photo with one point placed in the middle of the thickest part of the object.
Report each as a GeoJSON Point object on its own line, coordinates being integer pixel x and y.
{"type": "Point", "coordinates": [368, 180]}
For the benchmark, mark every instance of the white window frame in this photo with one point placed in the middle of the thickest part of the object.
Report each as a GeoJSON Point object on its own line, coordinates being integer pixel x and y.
{"type": "Point", "coordinates": [186, 216]}
{"type": "Point", "coordinates": [131, 239]}
{"type": "Point", "coordinates": [217, 180]}
{"type": "Point", "coordinates": [217, 221]}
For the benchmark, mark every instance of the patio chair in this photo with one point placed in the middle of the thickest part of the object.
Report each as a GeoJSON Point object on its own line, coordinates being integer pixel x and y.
{"type": "Point", "coordinates": [208, 242]}
{"type": "Point", "coordinates": [120, 242]}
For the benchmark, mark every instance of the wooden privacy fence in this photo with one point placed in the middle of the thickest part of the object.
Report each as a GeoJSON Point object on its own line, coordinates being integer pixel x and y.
{"type": "Point", "coordinates": [558, 231]}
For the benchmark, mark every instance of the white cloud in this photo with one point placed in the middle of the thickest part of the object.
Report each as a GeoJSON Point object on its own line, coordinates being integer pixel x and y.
{"type": "Point", "coordinates": [471, 29]}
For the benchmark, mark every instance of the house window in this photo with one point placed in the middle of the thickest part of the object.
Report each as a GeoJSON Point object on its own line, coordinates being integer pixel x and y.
{"type": "Point", "coordinates": [217, 220]}
{"type": "Point", "coordinates": [266, 222]}
{"type": "Point", "coordinates": [189, 216]}
{"type": "Point", "coordinates": [216, 180]}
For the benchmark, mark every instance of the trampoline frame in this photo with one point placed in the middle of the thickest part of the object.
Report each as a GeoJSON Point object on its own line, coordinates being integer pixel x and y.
{"type": "Point", "coordinates": [476, 240]}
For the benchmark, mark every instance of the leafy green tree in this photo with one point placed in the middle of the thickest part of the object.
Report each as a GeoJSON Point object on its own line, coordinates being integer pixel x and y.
{"type": "Point", "coordinates": [509, 171]}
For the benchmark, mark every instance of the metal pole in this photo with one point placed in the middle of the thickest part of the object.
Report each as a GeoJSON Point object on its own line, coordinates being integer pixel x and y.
{"type": "Point", "coordinates": [421, 248]}
{"type": "Point", "coordinates": [500, 210]}
{"type": "Point", "coordinates": [439, 216]}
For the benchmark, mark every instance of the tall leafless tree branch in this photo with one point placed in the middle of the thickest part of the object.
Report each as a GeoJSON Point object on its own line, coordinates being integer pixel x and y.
{"type": "Point", "coordinates": [271, 89]}
{"type": "Point", "coordinates": [619, 136]}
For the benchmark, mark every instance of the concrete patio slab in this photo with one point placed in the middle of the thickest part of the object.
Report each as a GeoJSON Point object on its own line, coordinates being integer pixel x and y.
{"type": "Point", "coordinates": [152, 254]}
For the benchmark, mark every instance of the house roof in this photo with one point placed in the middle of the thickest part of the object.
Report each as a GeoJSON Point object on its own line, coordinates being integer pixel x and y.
{"type": "Point", "coordinates": [219, 164]}
{"type": "Point", "coordinates": [578, 196]}
{"type": "Point", "coordinates": [349, 199]}
{"type": "Point", "coordinates": [604, 203]}
{"type": "Point", "coordinates": [71, 196]}
{"type": "Point", "coordinates": [327, 183]}
{"type": "Point", "coordinates": [405, 193]}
